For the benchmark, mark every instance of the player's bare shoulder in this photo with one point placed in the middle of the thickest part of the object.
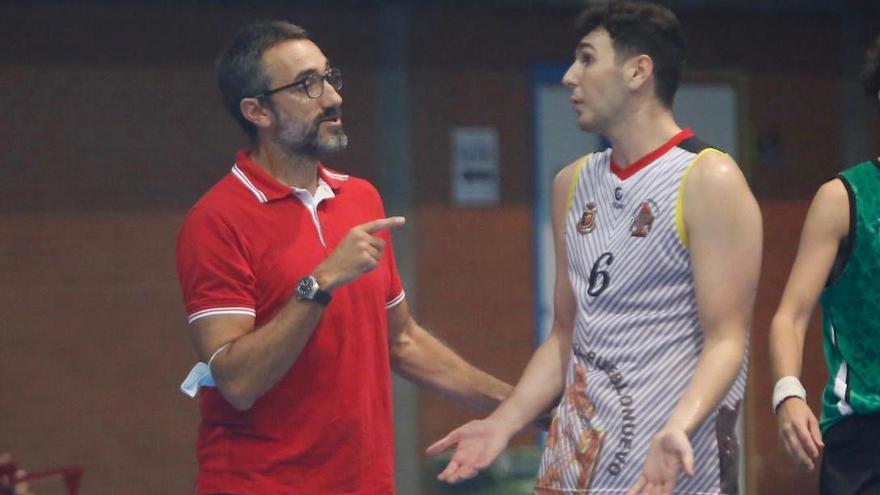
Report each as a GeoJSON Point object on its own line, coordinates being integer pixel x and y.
{"type": "Point", "coordinates": [716, 181]}
{"type": "Point", "coordinates": [715, 170]}
{"type": "Point", "coordinates": [832, 194]}
{"type": "Point", "coordinates": [830, 209]}
{"type": "Point", "coordinates": [562, 181]}
{"type": "Point", "coordinates": [717, 198]}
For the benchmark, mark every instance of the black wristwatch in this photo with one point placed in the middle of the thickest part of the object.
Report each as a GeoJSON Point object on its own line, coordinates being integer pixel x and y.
{"type": "Point", "coordinates": [308, 290]}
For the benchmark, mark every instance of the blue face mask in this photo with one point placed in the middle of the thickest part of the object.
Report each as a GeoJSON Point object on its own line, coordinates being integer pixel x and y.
{"type": "Point", "coordinates": [200, 375]}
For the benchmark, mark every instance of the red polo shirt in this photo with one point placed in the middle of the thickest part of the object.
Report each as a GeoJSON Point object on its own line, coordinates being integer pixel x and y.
{"type": "Point", "coordinates": [326, 426]}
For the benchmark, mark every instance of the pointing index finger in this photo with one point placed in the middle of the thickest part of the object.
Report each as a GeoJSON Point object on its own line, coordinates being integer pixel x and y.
{"type": "Point", "coordinates": [440, 445]}
{"type": "Point", "coordinates": [381, 224]}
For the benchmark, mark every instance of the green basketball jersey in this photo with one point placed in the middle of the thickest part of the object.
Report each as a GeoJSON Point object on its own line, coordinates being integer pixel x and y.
{"type": "Point", "coordinates": [851, 305]}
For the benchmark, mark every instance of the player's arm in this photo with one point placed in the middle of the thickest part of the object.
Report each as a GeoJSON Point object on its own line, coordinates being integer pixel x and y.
{"type": "Point", "coordinates": [542, 381]}
{"type": "Point", "coordinates": [248, 361]}
{"type": "Point", "coordinates": [827, 224]}
{"type": "Point", "coordinates": [420, 357]}
{"type": "Point", "coordinates": [478, 443]}
{"type": "Point", "coordinates": [723, 224]}
{"type": "Point", "coordinates": [724, 228]}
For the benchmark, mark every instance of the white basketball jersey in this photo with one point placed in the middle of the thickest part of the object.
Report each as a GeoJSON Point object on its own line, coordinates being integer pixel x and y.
{"type": "Point", "coordinates": [637, 334]}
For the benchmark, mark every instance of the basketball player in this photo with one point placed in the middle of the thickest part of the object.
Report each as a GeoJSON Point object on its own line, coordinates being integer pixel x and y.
{"type": "Point", "coordinates": [658, 249]}
{"type": "Point", "coordinates": [838, 264]}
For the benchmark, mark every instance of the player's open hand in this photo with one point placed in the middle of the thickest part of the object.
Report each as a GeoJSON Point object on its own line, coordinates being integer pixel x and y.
{"type": "Point", "coordinates": [669, 453]}
{"type": "Point", "coordinates": [476, 444]}
{"type": "Point", "coordinates": [799, 432]}
{"type": "Point", "coordinates": [359, 252]}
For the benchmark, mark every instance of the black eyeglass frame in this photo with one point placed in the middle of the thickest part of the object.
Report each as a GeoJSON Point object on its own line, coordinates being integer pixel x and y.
{"type": "Point", "coordinates": [329, 75]}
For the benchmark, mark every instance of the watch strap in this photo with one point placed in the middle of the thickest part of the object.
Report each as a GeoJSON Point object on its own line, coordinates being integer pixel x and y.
{"type": "Point", "coordinates": [322, 297]}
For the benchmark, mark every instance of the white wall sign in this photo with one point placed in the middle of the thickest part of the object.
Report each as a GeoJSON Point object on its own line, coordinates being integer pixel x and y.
{"type": "Point", "coordinates": [475, 171]}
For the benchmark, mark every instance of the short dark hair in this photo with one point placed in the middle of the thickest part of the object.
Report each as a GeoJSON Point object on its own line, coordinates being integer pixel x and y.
{"type": "Point", "coordinates": [240, 69]}
{"type": "Point", "coordinates": [641, 27]}
{"type": "Point", "coordinates": [871, 69]}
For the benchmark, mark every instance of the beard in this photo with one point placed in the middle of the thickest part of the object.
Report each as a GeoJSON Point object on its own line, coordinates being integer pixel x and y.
{"type": "Point", "coordinates": [304, 138]}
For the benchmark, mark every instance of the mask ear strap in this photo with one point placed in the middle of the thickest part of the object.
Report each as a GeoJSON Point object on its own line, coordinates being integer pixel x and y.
{"type": "Point", "coordinates": [218, 351]}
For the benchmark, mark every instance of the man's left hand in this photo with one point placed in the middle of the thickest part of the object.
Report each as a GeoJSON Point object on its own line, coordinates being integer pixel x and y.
{"type": "Point", "coordinates": [669, 453]}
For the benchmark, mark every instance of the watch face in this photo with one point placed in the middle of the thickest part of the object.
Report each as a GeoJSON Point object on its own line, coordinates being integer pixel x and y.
{"type": "Point", "coordinates": [305, 288]}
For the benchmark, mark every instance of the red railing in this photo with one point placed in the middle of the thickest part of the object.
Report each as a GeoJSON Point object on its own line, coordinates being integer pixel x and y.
{"type": "Point", "coordinates": [72, 475]}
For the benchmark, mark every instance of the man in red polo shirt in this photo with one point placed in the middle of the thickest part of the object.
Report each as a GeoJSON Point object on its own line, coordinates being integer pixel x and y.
{"type": "Point", "coordinates": [295, 305]}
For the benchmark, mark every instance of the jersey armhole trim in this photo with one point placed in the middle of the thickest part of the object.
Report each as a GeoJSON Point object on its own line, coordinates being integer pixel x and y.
{"type": "Point", "coordinates": [848, 244]}
{"type": "Point", "coordinates": [579, 166]}
{"type": "Point", "coordinates": [679, 203]}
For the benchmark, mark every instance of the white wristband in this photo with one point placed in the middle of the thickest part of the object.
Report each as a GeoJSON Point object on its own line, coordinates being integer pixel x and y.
{"type": "Point", "coordinates": [787, 386]}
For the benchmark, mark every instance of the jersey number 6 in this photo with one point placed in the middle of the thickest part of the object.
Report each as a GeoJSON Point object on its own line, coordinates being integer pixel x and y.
{"type": "Point", "coordinates": [599, 278]}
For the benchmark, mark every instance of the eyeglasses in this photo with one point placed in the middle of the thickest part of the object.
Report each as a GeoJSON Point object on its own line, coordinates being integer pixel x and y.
{"type": "Point", "coordinates": [313, 84]}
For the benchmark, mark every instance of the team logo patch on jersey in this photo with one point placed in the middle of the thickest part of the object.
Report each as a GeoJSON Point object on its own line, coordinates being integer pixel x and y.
{"type": "Point", "coordinates": [644, 219]}
{"type": "Point", "coordinates": [588, 219]}
{"type": "Point", "coordinates": [618, 198]}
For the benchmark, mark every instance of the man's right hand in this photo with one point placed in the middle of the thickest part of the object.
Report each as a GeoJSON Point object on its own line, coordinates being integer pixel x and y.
{"type": "Point", "coordinates": [799, 432]}
{"type": "Point", "coordinates": [477, 444]}
{"type": "Point", "coordinates": [359, 252]}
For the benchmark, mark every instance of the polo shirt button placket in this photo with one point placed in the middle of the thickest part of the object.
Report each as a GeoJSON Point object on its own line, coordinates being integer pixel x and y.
{"type": "Point", "coordinates": [306, 198]}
